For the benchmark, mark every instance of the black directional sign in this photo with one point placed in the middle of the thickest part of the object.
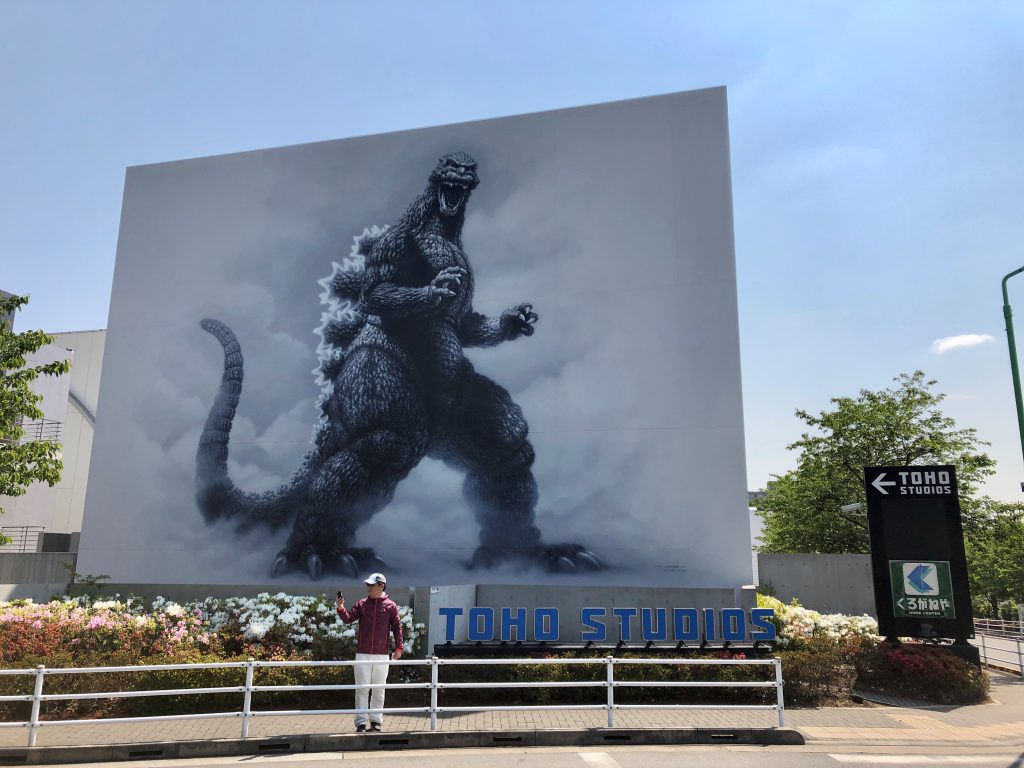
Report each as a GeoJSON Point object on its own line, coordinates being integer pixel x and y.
{"type": "Point", "coordinates": [917, 552]}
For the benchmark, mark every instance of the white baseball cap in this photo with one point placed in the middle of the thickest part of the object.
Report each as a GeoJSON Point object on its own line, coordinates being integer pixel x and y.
{"type": "Point", "coordinates": [376, 578]}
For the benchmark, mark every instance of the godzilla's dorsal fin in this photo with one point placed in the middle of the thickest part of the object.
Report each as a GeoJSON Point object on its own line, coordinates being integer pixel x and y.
{"type": "Point", "coordinates": [342, 320]}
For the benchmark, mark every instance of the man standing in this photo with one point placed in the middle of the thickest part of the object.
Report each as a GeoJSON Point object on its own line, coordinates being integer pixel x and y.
{"type": "Point", "coordinates": [377, 615]}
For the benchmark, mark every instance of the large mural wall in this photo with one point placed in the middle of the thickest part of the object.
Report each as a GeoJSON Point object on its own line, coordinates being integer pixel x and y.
{"type": "Point", "coordinates": [497, 352]}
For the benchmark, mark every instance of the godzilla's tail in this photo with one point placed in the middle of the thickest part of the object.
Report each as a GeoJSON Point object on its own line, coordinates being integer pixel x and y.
{"type": "Point", "coordinates": [216, 495]}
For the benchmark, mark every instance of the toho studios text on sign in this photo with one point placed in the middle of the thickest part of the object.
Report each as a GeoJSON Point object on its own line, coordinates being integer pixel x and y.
{"type": "Point", "coordinates": [917, 552]}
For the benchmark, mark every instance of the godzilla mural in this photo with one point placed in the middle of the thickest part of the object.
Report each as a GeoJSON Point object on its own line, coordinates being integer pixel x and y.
{"type": "Point", "coordinates": [396, 387]}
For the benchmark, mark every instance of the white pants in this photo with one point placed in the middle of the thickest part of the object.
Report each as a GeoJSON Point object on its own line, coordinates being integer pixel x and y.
{"type": "Point", "coordinates": [370, 674]}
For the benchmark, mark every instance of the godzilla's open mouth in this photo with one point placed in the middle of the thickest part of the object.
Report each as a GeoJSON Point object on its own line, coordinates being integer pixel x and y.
{"type": "Point", "coordinates": [451, 197]}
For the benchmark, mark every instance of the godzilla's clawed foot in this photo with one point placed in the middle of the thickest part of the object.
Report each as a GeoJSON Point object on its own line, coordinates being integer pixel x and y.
{"type": "Point", "coordinates": [567, 558]}
{"type": "Point", "coordinates": [347, 566]}
{"type": "Point", "coordinates": [349, 562]}
{"type": "Point", "coordinates": [554, 558]}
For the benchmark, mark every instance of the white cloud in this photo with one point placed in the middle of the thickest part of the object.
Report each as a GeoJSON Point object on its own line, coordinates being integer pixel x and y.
{"type": "Point", "coordinates": [963, 341]}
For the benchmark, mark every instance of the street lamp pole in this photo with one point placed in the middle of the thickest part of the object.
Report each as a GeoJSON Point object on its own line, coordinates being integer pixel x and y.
{"type": "Point", "coordinates": [1008, 314]}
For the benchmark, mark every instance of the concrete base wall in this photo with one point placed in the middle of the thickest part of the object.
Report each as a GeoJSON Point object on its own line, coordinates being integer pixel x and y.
{"type": "Point", "coordinates": [36, 567]}
{"type": "Point", "coordinates": [825, 583]}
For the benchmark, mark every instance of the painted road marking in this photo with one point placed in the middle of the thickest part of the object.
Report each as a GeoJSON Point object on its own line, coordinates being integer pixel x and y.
{"type": "Point", "coordinates": [926, 759]}
{"type": "Point", "coordinates": [599, 759]}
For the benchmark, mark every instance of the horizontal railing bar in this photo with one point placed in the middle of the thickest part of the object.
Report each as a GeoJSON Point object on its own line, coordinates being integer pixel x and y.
{"type": "Point", "coordinates": [514, 662]}
{"type": "Point", "coordinates": [349, 663]}
{"type": "Point", "coordinates": [339, 687]}
{"type": "Point", "coordinates": [148, 718]}
{"type": "Point", "coordinates": [696, 706]}
{"type": "Point", "coordinates": [689, 684]}
{"type": "Point", "coordinates": [289, 712]}
{"type": "Point", "coordinates": [522, 709]}
{"type": "Point", "coordinates": [17, 671]}
{"type": "Point", "coordinates": [14, 725]}
{"type": "Point", "coordinates": [695, 662]}
{"type": "Point", "coordinates": [145, 668]}
{"type": "Point", "coordinates": [138, 694]}
{"type": "Point", "coordinates": [27, 697]}
{"type": "Point", "coordinates": [581, 684]}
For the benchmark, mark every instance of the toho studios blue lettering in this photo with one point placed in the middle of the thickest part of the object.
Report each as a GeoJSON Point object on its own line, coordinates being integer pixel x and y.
{"type": "Point", "coordinates": [729, 624]}
{"type": "Point", "coordinates": [734, 625]}
{"type": "Point", "coordinates": [761, 619]}
{"type": "Point", "coordinates": [507, 622]}
{"type": "Point", "coordinates": [475, 633]}
{"type": "Point", "coordinates": [548, 617]}
{"type": "Point", "coordinates": [449, 622]}
{"type": "Point", "coordinates": [651, 630]}
{"type": "Point", "coordinates": [687, 617]}
{"type": "Point", "coordinates": [594, 630]}
{"type": "Point", "coordinates": [625, 614]}
{"type": "Point", "coordinates": [709, 625]}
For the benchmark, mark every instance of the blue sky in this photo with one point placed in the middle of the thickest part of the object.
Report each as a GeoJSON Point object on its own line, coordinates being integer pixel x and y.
{"type": "Point", "coordinates": [877, 154]}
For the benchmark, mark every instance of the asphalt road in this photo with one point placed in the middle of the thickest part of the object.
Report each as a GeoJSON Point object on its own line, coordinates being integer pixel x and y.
{"type": "Point", "coordinates": [616, 757]}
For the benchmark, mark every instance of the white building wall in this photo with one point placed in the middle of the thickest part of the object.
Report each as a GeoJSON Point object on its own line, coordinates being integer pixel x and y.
{"type": "Point", "coordinates": [59, 509]}
{"type": "Point", "coordinates": [69, 498]}
{"type": "Point", "coordinates": [35, 507]}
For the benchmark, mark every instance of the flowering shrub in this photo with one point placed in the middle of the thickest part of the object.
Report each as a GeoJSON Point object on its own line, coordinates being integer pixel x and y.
{"type": "Point", "coordinates": [795, 625]}
{"type": "Point", "coordinates": [823, 655]}
{"type": "Point", "coordinates": [295, 622]}
{"type": "Point", "coordinates": [264, 626]}
{"type": "Point", "coordinates": [28, 630]}
{"type": "Point", "coordinates": [921, 671]}
{"type": "Point", "coordinates": [84, 632]}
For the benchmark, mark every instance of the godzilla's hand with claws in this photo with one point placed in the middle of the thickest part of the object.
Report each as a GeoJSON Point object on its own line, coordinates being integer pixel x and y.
{"type": "Point", "coordinates": [440, 289]}
{"type": "Point", "coordinates": [518, 321]}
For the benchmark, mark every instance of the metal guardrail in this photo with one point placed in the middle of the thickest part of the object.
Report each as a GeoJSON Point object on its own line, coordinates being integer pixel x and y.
{"type": "Point", "coordinates": [23, 538]}
{"type": "Point", "coordinates": [1002, 651]}
{"type": "Point", "coordinates": [435, 685]}
{"type": "Point", "coordinates": [39, 431]}
{"type": "Point", "coordinates": [1003, 627]}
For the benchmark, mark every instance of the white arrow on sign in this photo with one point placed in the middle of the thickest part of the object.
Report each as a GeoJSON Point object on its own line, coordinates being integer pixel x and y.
{"type": "Point", "coordinates": [900, 604]}
{"type": "Point", "coordinates": [877, 483]}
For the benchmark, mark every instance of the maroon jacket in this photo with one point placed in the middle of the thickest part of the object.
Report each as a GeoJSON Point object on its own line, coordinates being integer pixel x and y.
{"type": "Point", "coordinates": [376, 618]}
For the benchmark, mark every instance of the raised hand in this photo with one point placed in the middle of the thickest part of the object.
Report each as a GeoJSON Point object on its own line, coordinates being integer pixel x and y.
{"type": "Point", "coordinates": [518, 321]}
{"type": "Point", "coordinates": [441, 287]}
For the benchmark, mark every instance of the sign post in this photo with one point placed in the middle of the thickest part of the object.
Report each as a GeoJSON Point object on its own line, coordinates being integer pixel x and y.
{"type": "Point", "coordinates": [917, 553]}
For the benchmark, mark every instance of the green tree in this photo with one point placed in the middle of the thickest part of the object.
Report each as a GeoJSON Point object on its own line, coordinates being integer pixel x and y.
{"type": "Point", "coordinates": [994, 543]}
{"type": "Point", "coordinates": [23, 462]}
{"type": "Point", "coordinates": [897, 426]}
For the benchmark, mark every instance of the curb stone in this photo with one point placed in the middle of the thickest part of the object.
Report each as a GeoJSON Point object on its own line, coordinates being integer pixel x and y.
{"type": "Point", "coordinates": [396, 741]}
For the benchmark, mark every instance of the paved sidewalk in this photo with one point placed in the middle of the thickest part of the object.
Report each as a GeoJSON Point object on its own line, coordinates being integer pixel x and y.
{"type": "Point", "coordinates": [998, 723]}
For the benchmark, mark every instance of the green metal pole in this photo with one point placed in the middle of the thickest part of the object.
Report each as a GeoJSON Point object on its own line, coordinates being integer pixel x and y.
{"type": "Point", "coordinates": [1008, 314]}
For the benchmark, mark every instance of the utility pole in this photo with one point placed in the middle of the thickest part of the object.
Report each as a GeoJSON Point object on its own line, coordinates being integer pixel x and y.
{"type": "Point", "coordinates": [1008, 314]}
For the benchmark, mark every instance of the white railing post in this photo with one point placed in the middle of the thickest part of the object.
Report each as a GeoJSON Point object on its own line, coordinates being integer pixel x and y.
{"type": "Point", "coordinates": [250, 668]}
{"type": "Point", "coordinates": [433, 693]}
{"type": "Point", "coordinates": [779, 697]}
{"type": "Point", "coordinates": [984, 653]}
{"type": "Point", "coordinates": [1020, 659]}
{"type": "Point", "coordinates": [610, 661]}
{"type": "Point", "coordinates": [37, 693]}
